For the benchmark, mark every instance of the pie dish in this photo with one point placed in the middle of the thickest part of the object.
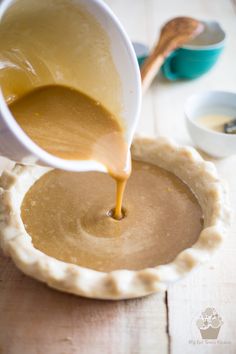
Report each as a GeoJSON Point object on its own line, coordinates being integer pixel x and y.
{"type": "Point", "coordinates": [184, 162]}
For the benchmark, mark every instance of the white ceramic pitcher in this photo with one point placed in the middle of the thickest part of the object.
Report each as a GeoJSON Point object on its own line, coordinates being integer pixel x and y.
{"type": "Point", "coordinates": [16, 145]}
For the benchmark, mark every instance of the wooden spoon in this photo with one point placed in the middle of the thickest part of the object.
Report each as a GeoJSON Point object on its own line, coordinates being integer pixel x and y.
{"type": "Point", "coordinates": [174, 34]}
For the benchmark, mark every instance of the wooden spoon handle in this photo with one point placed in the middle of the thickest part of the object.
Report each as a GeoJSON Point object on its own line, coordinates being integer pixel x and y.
{"type": "Point", "coordinates": [150, 68]}
{"type": "Point", "coordinates": [173, 34]}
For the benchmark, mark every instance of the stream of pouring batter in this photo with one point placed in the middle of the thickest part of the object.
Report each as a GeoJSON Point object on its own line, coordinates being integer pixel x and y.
{"type": "Point", "coordinates": [71, 125]}
{"type": "Point", "coordinates": [47, 47]}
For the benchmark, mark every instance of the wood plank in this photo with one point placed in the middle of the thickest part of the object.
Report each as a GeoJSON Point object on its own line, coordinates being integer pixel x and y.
{"type": "Point", "coordinates": [37, 320]}
{"type": "Point", "coordinates": [213, 285]}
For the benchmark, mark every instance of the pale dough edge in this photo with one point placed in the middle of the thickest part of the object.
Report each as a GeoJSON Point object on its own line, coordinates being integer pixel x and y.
{"type": "Point", "coordinates": [185, 162]}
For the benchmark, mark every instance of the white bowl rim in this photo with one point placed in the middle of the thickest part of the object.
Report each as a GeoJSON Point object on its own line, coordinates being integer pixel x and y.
{"type": "Point", "coordinates": [193, 121]}
{"type": "Point", "coordinates": [216, 45]}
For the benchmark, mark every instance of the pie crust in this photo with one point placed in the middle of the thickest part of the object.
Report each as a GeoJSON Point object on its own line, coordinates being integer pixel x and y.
{"type": "Point", "coordinates": [184, 162]}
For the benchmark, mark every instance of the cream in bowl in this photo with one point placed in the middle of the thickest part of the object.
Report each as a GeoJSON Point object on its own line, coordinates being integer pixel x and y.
{"type": "Point", "coordinates": [210, 118]}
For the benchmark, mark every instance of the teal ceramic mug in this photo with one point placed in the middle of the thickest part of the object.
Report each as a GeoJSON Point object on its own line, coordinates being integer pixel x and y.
{"type": "Point", "coordinates": [198, 56]}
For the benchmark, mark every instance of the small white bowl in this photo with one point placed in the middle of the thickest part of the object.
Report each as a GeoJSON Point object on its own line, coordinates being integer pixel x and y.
{"type": "Point", "coordinates": [211, 102]}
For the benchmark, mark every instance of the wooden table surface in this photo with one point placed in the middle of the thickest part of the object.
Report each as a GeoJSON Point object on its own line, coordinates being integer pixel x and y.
{"type": "Point", "coordinates": [35, 319]}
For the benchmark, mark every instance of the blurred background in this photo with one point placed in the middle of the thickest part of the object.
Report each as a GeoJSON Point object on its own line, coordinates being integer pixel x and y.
{"type": "Point", "coordinates": [162, 111]}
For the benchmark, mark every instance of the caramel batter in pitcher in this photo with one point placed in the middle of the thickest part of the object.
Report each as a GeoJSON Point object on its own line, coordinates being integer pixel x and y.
{"type": "Point", "coordinates": [71, 125]}
{"type": "Point", "coordinates": [55, 56]}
